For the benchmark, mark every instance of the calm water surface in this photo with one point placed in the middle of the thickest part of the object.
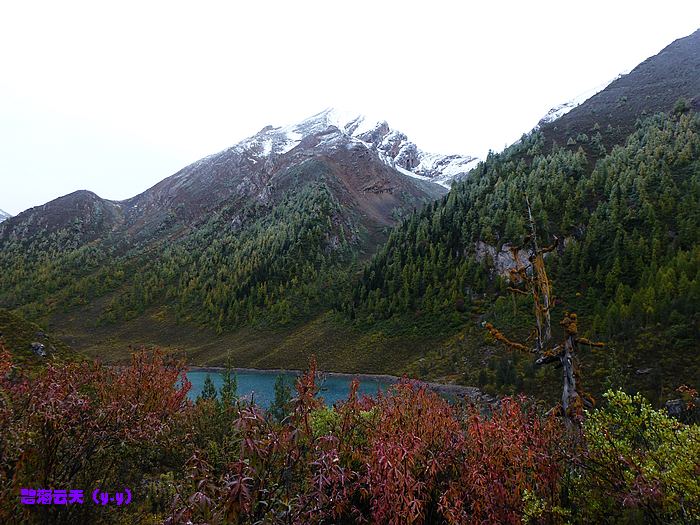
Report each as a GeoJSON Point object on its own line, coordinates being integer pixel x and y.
{"type": "Point", "coordinates": [261, 385]}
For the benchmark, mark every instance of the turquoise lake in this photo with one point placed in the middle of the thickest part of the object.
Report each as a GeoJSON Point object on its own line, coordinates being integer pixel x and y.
{"type": "Point", "coordinates": [260, 385]}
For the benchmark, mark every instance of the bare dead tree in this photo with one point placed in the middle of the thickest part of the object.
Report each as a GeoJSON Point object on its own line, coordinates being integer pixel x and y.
{"type": "Point", "coordinates": [531, 279]}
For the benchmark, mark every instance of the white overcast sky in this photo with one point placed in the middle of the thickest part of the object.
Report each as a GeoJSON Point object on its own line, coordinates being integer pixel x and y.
{"type": "Point", "coordinates": [115, 96]}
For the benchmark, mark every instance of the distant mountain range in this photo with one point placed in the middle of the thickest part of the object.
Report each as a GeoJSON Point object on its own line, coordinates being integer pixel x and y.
{"type": "Point", "coordinates": [250, 169]}
{"type": "Point", "coordinates": [283, 209]}
{"type": "Point", "coordinates": [338, 236]}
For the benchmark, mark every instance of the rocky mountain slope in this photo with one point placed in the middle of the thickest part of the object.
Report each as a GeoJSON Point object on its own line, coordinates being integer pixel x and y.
{"type": "Point", "coordinates": [653, 86]}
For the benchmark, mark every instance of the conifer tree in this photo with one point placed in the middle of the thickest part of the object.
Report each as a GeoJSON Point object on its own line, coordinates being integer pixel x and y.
{"type": "Point", "coordinates": [279, 409]}
{"type": "Point", "coordinates": [229, 388]}
{"type": "Point", "coordinates": [208, 390]}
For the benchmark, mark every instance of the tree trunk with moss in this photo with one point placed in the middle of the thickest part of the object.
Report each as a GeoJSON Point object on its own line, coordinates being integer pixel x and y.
{"type": "Point", "coordinates": [535, 282]}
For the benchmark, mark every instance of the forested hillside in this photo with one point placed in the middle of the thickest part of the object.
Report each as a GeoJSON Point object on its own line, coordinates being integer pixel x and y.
{"type": "Point", "coordinates": [628, 259]}
{"type": "Point", "coordinates": [226, 272]}
{"type": "Point", "coordinates": [273, 270]}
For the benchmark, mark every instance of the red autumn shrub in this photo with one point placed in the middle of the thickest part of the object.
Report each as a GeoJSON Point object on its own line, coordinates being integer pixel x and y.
{"type": "Point", "coordinates": [416, 442]}
{"type": "Point", "coordinates": [406, 457]}
{"type": "Point", "coordinates": [263, 484]}
{"type": "Point", "coordinates": [511, 457]}
{"type": "Point", "coordinates": [409, 457]}
{"type": "Point", "coordinates": [82, 426]}
{"type": "Point", "coordinates": [430, 464]}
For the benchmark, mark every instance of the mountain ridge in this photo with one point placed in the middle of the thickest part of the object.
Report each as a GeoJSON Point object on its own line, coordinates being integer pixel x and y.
{"type": "Point", "coordinates": [243, 170]}
{"type": "Point", "coordinates": [562, 109]}
{"type": "Point", "coordinates": [653, 86]}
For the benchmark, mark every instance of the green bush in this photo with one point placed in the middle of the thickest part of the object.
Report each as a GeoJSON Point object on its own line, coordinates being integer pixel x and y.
{"type": "Point", "coordinates": [639, 465]}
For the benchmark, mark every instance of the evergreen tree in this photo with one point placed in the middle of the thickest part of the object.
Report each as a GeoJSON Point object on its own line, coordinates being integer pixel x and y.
{"type": "Point", "coordinates": [208, 390]}
{"type": "Point", "coordinates": [280, 407]}
{"type": "Point", "coordinates": [229, 388]}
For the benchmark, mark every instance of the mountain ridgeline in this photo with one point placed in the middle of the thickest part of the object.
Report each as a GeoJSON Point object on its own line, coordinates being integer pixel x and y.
{"type": "Point", "coordinates": [334, 237]}
{"type": "Point", "coordinates": [610, 116]}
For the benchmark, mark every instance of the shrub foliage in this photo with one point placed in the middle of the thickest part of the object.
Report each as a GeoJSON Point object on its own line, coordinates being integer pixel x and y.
{"type": "Point", "coordinates": [407, 456]}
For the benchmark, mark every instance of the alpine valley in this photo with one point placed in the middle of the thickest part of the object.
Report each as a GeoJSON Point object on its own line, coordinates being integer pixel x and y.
{"type": "Point", "coordinates": [339, 237]}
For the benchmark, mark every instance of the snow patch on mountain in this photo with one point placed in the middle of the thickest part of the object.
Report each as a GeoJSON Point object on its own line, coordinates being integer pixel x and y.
{"type": "Point", "coordinates": [444, 169]}
{"type": "Point", "coordinates": [412, 174]}
{"type": "Point", "coordinates": [562, 109]}
{"type": "Point", "coordinates": [4, 215]}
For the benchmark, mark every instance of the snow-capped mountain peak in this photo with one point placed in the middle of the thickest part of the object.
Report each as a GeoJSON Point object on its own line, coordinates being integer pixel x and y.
{"type": "Point", "coordinates": [348, 121]}
{"type": "Point", "coordinates": [4, 215]}
{"type": "Point", "coordinates": [343, 127]}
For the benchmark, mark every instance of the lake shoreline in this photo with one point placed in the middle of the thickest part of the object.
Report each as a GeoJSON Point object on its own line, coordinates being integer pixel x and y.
{"type": "Point", "coordinates": [472, 393]}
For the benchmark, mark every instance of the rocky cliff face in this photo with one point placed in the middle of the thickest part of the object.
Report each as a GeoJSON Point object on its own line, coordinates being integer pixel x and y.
{"type": "Point", "coordinates": [501, 260]}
